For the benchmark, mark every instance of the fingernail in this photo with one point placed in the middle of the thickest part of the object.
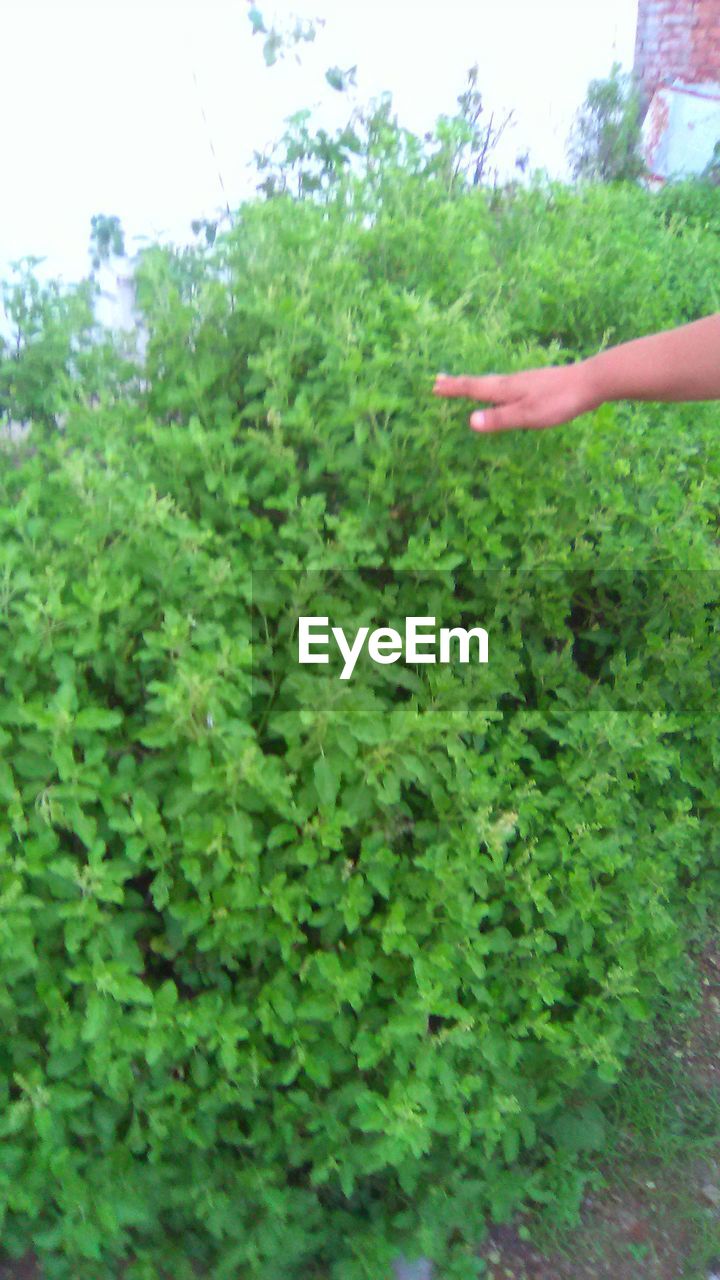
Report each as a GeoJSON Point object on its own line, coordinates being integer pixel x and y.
{"type": "Point", "coordinates": [477, 421]}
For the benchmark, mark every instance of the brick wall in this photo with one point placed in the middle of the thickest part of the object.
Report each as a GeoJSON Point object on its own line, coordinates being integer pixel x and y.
{"type": "Point", "coordinates": [676, 40]}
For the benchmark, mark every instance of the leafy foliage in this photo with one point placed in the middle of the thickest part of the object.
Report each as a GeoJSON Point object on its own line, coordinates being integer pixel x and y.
{"type": "Point", "coordinates": [54, 356]}
{"type": "Point", "coordinates": [372, 139]}
{"type": "Point", "coordinates": [106, 238]}
{"type": "Point", "coordinates": [605, 142]}
{"type": "Point", "coordinates": [691, 205]}
{"type": "Point", "coordinates": [277, 42]}
{"type": "Point", "coordinates": [297, 975]}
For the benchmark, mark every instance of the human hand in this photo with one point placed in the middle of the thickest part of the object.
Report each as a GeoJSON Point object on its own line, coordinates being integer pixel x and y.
{"type": "Point", "coordinates": [532, 400]}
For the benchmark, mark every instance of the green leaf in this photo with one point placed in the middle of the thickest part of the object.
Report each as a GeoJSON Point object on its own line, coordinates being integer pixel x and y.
{"type": "Point", "coordinates": [283, 834]}
{"type": "Point", "coordinates": [335, 78]}
{"type": "Point", "coordinates": [271, 47]}
{"type": "Point", "coordinates": [97, 718]}
{"type": "Point", "coordinates": [7, 783]}
{"type": "Point", "coordinates": [326, 780]}
{"type": "Point", "coordinates": [582, 1130]}
{"type": "Point", "coordinates": [257, 21]}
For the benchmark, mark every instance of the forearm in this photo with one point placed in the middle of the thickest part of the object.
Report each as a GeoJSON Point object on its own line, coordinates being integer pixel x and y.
{"type": "Point", "coordinates": [679, 364]}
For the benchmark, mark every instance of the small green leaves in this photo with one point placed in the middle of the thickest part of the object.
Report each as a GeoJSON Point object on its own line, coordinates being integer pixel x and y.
{"type": "Point", "coordinates": [106, 240]}
{"type": "Point", "coordinates": [289, 944]}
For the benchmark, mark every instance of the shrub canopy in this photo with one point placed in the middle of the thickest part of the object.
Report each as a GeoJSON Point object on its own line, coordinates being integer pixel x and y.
{"type": "Point", "coordinates": [298, 973]}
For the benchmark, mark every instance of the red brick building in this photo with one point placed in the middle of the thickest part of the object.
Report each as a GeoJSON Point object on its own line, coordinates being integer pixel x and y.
{"type": "Point", "coordinates": [676, 40]}
{"type": "Point", "coordinates": [677, 69]}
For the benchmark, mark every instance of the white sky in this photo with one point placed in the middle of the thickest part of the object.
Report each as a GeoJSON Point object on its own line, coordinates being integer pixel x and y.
{"type": "Point", "coordinates": [101, 113]}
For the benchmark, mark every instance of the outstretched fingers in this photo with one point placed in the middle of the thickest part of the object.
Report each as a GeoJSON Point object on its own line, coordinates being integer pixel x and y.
{"type": "Point", "coordinates": [492, 386]}
{"type": "Point", "coordinates": [497, 389]}
{"type": "Point", "coordinates": [533, 400]}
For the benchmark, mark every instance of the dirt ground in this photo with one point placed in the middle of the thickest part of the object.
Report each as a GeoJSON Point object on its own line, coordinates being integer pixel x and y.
{"type": "Point", "coordinates": [645, 1224]}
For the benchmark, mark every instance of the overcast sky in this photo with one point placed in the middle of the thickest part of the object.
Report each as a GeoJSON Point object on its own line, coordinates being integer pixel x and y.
{"type": "Point", "coordinates": [102, 101]}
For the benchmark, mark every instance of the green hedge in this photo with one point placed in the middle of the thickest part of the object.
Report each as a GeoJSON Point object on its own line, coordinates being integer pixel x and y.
{"type": "Point", "coordinates": [297, 974]}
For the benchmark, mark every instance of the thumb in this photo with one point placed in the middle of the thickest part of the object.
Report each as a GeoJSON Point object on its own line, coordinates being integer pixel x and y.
{"type": "Point", "coordinates": [503, 418]}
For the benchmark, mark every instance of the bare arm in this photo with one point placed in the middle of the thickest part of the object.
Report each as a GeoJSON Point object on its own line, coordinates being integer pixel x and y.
{"type": "Point", "coordinates": [679, 364]}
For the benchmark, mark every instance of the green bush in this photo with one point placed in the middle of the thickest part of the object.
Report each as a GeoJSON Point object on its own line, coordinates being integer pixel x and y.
{"type": "Point", "coordinates": [605, 142]}
{"type": "Point", "coordinates": [693, 202]}
{"type": "Point", "coordinates": [55, 354]}
{"type": "Point", "coordinates": [299, 973]}
{"type": "Point", "coordinates": [591, 266]}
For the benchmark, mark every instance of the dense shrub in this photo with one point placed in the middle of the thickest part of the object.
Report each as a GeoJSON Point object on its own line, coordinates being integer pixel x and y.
{"type": "Point", "coordinates": [693, 202]}
{"type": "Point", "coordinates": [54, 354]}
{"type": "Point", "coordinates": [298, 973]}
{"type": "Point", "coordinates": [605, 143]}
{"type": "Point", "coordinates": [590, 265]}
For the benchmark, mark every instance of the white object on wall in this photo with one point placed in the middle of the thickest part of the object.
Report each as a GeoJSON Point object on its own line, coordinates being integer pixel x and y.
{"type": "Point", "coordinates": [680, 130]}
